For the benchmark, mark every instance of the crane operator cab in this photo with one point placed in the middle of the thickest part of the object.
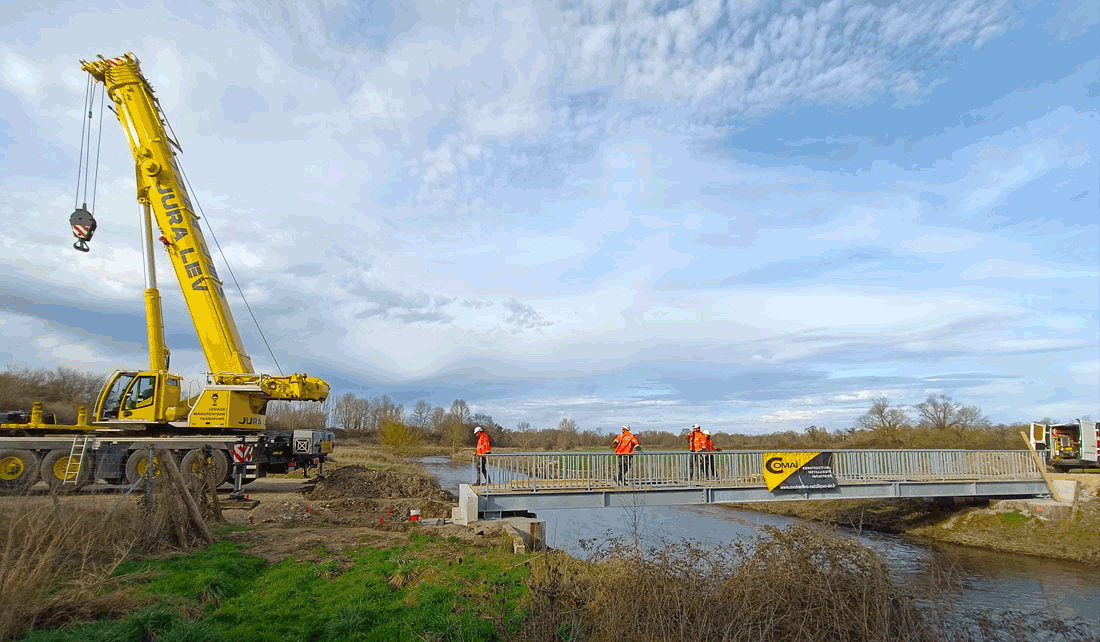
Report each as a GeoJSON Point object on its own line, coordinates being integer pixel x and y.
{"type": "Point", "coordinates": [138, 397]}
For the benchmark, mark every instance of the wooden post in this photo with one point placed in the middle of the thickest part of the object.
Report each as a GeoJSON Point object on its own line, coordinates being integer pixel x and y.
{"type": "Point", "coordinates": [212, 484]}
{"type": "Point", "coordinates": [176, 520]}
{"type": "Point", "coordinates": [1042, 467]}
{"type": "Point", "coordinates": [169, 464]}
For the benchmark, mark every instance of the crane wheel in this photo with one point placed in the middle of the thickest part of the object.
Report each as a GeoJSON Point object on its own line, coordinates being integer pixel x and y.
{"type": "Point", "coordinates": [18, 470]}
{"type": "Point", "coordinates": [63, 475]}
{"type": "Point", "coordinates": [194, 464]}
{"type": "Point", "coordinates": [137, 465]}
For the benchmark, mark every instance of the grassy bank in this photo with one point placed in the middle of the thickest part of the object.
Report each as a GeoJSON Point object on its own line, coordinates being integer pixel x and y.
{"type": "Point", "coordinates": [797, 585]}
{"type": "Point", "coordinates": [337, 563]}
{"type": "Point", "coordinates": [429, 589]}
{"type": "Point", "coordinates": [980, 524]}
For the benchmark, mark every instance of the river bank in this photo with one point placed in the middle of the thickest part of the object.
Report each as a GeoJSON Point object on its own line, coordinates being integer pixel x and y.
{"type": "Point", "coordinates": [340, 559]}
{"type": "Point", "coordinates": [1001, 526]}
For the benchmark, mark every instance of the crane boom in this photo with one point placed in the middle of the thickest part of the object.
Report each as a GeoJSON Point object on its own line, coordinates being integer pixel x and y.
{"type": "Point", "coordinates": [160, 186]}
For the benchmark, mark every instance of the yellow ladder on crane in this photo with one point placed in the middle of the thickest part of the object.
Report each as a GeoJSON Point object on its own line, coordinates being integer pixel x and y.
{"type": "Point", "coordinates": [75, 463]}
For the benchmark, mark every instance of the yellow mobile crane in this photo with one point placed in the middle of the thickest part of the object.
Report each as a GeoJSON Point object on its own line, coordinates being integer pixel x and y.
{"type": "Point", "coordinates": [134, 404]}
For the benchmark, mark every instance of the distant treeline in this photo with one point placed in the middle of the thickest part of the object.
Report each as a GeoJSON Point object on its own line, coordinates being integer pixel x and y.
{"type": "Point", "coordinates": [61, 390]}
{"type": "Point", "coordinates": [938, 422]}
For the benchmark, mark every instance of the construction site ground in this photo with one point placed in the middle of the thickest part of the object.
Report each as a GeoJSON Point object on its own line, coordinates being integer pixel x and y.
{"type": "Point", "coordinates": [353, 506]}
{"type": "Point", "coordinates": [289, 516]}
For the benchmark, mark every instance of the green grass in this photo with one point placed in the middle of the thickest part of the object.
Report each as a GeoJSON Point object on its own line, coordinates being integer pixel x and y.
{"type": "Point", "coordinates": [412, 592]}
{"type": "Point", "coordinates": [1015, 518]}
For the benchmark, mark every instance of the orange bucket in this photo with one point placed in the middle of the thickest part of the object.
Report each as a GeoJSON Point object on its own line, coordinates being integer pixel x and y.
{"type": "Point", "coordinates": [414, 515]}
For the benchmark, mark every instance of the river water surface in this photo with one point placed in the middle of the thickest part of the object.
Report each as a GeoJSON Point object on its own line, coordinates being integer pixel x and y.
{"type": "Point", "coordinates": [984, 580]}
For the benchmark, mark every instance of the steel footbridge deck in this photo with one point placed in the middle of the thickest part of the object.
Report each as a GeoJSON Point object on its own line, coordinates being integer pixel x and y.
{"type": "Point", "coordinates": [521, 482]}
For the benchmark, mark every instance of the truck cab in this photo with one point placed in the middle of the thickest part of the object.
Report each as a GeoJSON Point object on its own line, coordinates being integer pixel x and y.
{"type": "Point", "coordinates": [140, 397]}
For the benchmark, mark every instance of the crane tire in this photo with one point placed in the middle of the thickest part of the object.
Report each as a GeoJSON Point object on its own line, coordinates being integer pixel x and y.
{"type": "Point", "coordinates": [55, 472]}
{"type": "Point", "coordinates": [18, 470]}
{"type": "Point", "coordinates": [192, 466]}
{"type": "Point", "coordinates": [136, 467]}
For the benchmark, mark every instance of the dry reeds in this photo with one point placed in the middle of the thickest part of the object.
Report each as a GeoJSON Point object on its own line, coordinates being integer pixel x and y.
{"type": "Point", "coordinates": [58, 555]}
{"type": "Point", "coordinates": [51, 554]}
{"type": "Point", "coordinates": [798, 585]}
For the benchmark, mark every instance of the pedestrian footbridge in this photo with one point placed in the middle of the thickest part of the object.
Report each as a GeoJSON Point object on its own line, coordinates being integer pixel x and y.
{"type": "Point", "coordinates": [527, 482]}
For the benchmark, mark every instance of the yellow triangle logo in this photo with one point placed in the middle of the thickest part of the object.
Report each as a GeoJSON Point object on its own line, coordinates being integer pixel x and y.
{"type": "Point", "coordinates": [779, 466]}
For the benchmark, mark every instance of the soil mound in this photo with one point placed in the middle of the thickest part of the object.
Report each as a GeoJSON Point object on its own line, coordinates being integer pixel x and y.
{"type": "Point", "coordinates": [362, 482]}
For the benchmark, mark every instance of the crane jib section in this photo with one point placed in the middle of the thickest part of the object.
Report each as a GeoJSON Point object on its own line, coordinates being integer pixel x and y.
{"type": "Point", "coordinates": [193, 266]}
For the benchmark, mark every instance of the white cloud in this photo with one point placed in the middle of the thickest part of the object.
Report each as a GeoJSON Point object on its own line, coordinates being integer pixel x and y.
{"type": "Point", "coordinates": [19, 74]}
{"type": "Point", "coordinates": [939, 243]}
{"type": "Point", "coordinates": [540, 250]}
{"type": "Point", "coordinates": [858, 229]}
{"type": "Point", "coordinates": [1002, 268]}
{"type": "Point", "coordinates": [510, 184]}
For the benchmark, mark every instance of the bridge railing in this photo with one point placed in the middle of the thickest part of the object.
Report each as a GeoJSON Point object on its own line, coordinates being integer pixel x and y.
{"type": "Point", "coordinates": [510, 472]}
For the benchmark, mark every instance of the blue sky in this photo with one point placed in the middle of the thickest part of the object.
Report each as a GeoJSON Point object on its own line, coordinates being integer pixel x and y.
{"type": "Point", "coordinates": [756, 216]}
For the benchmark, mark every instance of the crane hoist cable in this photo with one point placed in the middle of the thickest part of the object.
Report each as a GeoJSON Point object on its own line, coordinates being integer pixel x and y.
{"type": "Point", "coordinates": [81, 221]}
{"type": "Point", "coordinates": [210, 228]}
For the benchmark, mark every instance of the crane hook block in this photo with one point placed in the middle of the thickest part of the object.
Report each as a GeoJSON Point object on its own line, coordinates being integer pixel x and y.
{"type": "Point", "coordinates": [83, 224]}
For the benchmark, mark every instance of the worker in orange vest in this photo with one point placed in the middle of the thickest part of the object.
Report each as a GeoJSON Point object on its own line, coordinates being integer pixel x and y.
{"type": "Point", "coordinates": [624, 445]}
{"type": "Point", "coordinates": [697, 443]}
{"type": "Point", "coordinates": [484, 447]}
{"type": "Point", "coordinates": [708, 447]}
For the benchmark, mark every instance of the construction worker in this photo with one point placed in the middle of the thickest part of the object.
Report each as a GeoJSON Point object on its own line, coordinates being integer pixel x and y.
{"type": "Point", "coordinates": [708, 447]}
{"type": "Point", "coordinates": [484, 447]}
{"type": "Point", "coordinates": [696, 444]}
{"type": "Point", "coordinates": [624, 445]}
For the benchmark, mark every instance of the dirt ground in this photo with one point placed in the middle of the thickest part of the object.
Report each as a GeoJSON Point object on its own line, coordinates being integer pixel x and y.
{"type": "Point", "coordinates": [366, 498]}
{"type": "Point", "coordinates": [353, 506]}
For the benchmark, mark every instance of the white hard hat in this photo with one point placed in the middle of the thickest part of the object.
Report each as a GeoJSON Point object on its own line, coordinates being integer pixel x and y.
{"type": "Point", "coordinates": [707, 433]}
{"type": "Point", "coordinates": [695, 427]}
{"type": "Point", "coordinates": [626, 426]}
{"type": "Point", "coordinates": [477, 430]}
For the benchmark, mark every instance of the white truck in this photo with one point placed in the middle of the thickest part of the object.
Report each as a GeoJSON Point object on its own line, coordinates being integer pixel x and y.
{"type": "Point", "coordinates": [1067, 446]}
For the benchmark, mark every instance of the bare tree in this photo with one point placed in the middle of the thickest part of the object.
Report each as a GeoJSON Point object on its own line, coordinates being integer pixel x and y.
{"type": "Point", "coordinates": [383, 409]}
{"type": "Point", "coordinates": [298, 415]}
{"type": "Point", "coordinates": [567, 425]}
{"type": "Point", "coordinates": [438, 422]}
{"type": "Point", "coordinates": [460, 412]}
{"type": "Point", "coordinates": [940, 412]}
{"type": "Point", "coordinates": [484, 420]}
{"type": "Point", "coordinates": [351, 413]}
{"type": "Point", "coordinates": [884, 422]}
{"type": "Point", "coordinates": [525, 435]}
{"type": "Point", "coordinates": [421, 414]}
{"type": "Point", "coordinates": [343, 411]}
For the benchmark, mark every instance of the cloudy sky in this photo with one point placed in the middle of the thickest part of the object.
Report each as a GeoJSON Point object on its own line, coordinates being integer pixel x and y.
{"type": "Point", "coordinates": [753, 215]}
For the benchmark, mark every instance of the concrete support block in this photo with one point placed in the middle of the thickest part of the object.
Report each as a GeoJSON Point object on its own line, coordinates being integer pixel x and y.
{"type": "Point", "coordinates": [1042, 508]}
{"type": "Point", "coordinates": [1066, 489]}
{"type": "Point", "coordinates": [466, 511]}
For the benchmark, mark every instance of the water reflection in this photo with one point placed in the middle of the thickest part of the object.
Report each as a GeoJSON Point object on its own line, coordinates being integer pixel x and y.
{"type": "Point", "coordinates": [980, 579]}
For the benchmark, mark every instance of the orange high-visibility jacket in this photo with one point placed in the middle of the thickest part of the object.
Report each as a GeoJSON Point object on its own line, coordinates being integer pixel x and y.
{"type": "Point", "coordinates": [708, 445]}
{"type": "Point", "coordinates": [625, 443]}
{"type": "Point", "coordinates": [483, 445]}
{"type": "Point", "coordinates": [697, 441]}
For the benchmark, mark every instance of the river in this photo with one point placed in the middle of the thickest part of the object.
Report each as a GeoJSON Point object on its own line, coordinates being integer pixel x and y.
{"type": "Point", "coordinates": [983, 580]}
